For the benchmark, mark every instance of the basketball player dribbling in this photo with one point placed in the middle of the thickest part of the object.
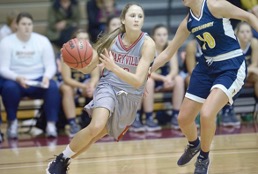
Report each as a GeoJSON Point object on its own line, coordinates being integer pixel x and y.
{"type": "Point", "coordinates": [120, 89]}
{"type": "Point", "coordinates": [217, 78]}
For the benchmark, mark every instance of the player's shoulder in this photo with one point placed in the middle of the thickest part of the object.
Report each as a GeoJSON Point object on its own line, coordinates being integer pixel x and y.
{"type": "Point", "coordinates": [215, 6]}
{"type": "Point", "coordinates": [148, 41]}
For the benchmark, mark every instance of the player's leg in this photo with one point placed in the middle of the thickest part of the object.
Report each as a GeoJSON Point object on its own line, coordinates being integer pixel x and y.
{"type": "Point", "coordinates": [69, 108]}
{"type": "Point", "coordinates": [148, 101]}
{"type": "Point", "coordinates": [198, 91]}
{"type": "Point", "coordinates": [98, 137]}
{"type": "Point", "coordinates": [213, 104]}
{"type": "Point", "coordinates": [186, 119]}
{"type": "Point", "coordinates": [80, 141]}
{"type": "Point", "coordinates": [178, 95]}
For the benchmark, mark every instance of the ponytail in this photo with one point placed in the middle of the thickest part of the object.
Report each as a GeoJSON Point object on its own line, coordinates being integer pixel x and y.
{"type": "Point", "coordinates": [106, 40]}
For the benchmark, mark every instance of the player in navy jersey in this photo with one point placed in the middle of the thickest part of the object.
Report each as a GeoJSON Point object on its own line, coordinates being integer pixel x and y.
{"type": "Point", "coordinates": [120, 89]}
{"type": "Point", "coordinates": [218, 76]}
{"type": "Point", "coordinates": [249, 45]}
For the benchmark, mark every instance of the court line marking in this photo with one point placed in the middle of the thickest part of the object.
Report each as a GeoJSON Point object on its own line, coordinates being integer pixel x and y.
{"type": "Point", "coordinates": [127, 158]}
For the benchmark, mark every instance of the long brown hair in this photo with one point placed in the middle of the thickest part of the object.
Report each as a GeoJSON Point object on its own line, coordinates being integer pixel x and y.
{"type": "Point", "coordinates": [106, 40]}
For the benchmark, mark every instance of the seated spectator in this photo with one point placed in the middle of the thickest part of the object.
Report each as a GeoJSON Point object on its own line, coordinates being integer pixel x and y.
{"type": "Point", "coordinates": [251, 6]}
{"type": "Point", "coordinates": [63, 20]}
{"type": "Point", "coordinates": [10, 26]}
{"type": "Point", "coordinates": [74, 83]}
{"type": "Point", "coordinates": [249, 45]}
{"type": "Point", "coordinates": [193, 53]}
{"type": "Point", "coordinates": [165, 79]}
{"type": "Point", "coordinates": [1, 134]}
{"type": "Point", "coordinates": [98, 11]}
{"type": "Point", "coordinates": [113, 22]}
{"type": "Point", "coordinates": [27, 56]}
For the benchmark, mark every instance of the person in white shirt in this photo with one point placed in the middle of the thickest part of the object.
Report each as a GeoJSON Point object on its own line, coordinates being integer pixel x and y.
{"type": "Point", "coordinates": [10, 26]}
{"type": "Point", "coordinates": [27, 59]}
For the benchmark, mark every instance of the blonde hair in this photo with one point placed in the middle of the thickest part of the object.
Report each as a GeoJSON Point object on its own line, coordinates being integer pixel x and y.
{"type": "Point", "coordinates": [106, 40]}
{"type": "Point", "coordinates": [239, 25]}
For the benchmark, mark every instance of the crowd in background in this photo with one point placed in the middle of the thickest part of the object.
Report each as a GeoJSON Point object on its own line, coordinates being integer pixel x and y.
{"type": "Point", "coordinates": [28, 57]}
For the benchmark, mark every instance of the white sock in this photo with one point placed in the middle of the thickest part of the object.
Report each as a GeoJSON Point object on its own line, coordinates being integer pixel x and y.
{"type": "Point", "coordinates": [68, 153]}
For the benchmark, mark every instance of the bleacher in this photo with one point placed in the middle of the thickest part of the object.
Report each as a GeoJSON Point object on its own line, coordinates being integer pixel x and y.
{"type": "Point", "coordinates": [38, 9]}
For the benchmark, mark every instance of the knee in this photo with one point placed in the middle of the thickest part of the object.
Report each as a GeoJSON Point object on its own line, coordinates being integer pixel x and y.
{"type": "Point", "coordinates": [179, 80]}
{"type": "Point", "coordinates": [206, 117]}
{"type": "Point", "coordinates": [95, 129]}
{"type": "Point", "coordinates": [67, 90]}
{"type": "Point", "coordinates": [10, 84]}
{"type": "Point", "coordinates": [183, 119]}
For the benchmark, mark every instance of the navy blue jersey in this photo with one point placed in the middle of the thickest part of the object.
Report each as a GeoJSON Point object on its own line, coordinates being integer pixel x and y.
{"type": "Point", "coordinates": [215, 35]}
{"type": "Point", "coordinates": [198, 53]}
{"type": "Point", "coordinates": [248, 54]}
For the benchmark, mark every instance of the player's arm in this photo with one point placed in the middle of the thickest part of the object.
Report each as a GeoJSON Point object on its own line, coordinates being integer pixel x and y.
{"type": "Point", "coordinates": [174, 67]}
{"type": "Point", "coordinates": [181, 35]}
{"type": "Point", "coordinates": [224, 9]}
{"type": "Point", "coordinates": [254, 56]}
{"type": "Point", "coordinates": [190, 59]}
{"type": "Point", "coordinates": [139, 77]}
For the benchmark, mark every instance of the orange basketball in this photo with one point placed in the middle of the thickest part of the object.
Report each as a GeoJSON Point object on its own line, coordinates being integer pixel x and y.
{"type": "Point", "coordinates": [77, 53]}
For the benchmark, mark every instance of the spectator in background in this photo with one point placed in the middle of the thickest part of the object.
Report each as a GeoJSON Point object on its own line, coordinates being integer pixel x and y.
{"type": "Point", "coordinates": [10, 26]}
{"type": "Point", "coordinates": [1, 134]}
{"type": "Point", "coordinates": [249, 45]}
{"type": "Point", "coordinates": [251, 6]}
{"type": "Point", "coordinates": [74, 83]}
{"type": "Point", "coordinates": [113, 22]}
{"type": "Point", "coordinates": [98, 12]}
{"type": "Point", "coordinates": [63, 20]}
{"type": "Point", "coordinates": [165, 79]}
{"type": "Point", "coordinates": [27, 56]}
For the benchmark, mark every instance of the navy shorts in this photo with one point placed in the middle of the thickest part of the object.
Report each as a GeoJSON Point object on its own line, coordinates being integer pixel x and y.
{"type": "Point", "coordinates": [228, 75]}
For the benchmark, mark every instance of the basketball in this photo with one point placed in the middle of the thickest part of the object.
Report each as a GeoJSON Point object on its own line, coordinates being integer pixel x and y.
{"type": "Point", "coordinates": [77, 53]}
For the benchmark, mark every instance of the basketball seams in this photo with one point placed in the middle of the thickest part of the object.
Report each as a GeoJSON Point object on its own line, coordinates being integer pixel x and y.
{"type": "Point", "coordinates": [71, 56]}
{"type": "Point", "coordinates": [78, 50]}
{"type": "Point", "coordinates": [77, 53]}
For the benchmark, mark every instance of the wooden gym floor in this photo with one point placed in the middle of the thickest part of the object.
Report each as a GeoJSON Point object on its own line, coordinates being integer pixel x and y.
{"type": "Point", "coordinates": [235, 153]}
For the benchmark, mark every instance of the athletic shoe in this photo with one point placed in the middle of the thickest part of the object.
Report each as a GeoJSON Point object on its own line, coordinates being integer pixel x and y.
{"type": "Point", "coordinates": [151, 125]}
{"type": "Point", "coordinates": [12, 129]}
{"type": "Point", "coordinates": [58, 166]}
{"type": "Point", "coordinates": [201, 166]}
{"type": "Point", "coordinates": [74, 128]}
{"type": "Point", "coordinates": [1, 137]}
{"type": "Point", "coordinates": [188, 154]}
{"type": "Point", "coordinates": [137, 126]}
{"type": "Point", "coordinates": [51, 131]}
{"type": "Point", "coordinates": [174, 122]}
{"type": "Point", "coordinates": [229, 119]}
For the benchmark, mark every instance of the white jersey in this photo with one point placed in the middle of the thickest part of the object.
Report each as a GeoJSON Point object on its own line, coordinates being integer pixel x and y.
{"type": "Point", "coordinates": [128, 59]}
{"type": "Point", "coordinates": [32, 59]}
{"type": "Point", "coordinates": [5, 30]}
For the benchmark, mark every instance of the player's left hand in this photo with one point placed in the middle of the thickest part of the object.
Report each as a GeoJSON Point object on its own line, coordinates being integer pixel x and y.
{"type": "Point", "coordinates": [107, 60]}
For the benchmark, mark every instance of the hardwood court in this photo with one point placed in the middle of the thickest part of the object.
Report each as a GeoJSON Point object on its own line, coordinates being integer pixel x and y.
{"type": "Point", "coordinates": [230, 154]}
